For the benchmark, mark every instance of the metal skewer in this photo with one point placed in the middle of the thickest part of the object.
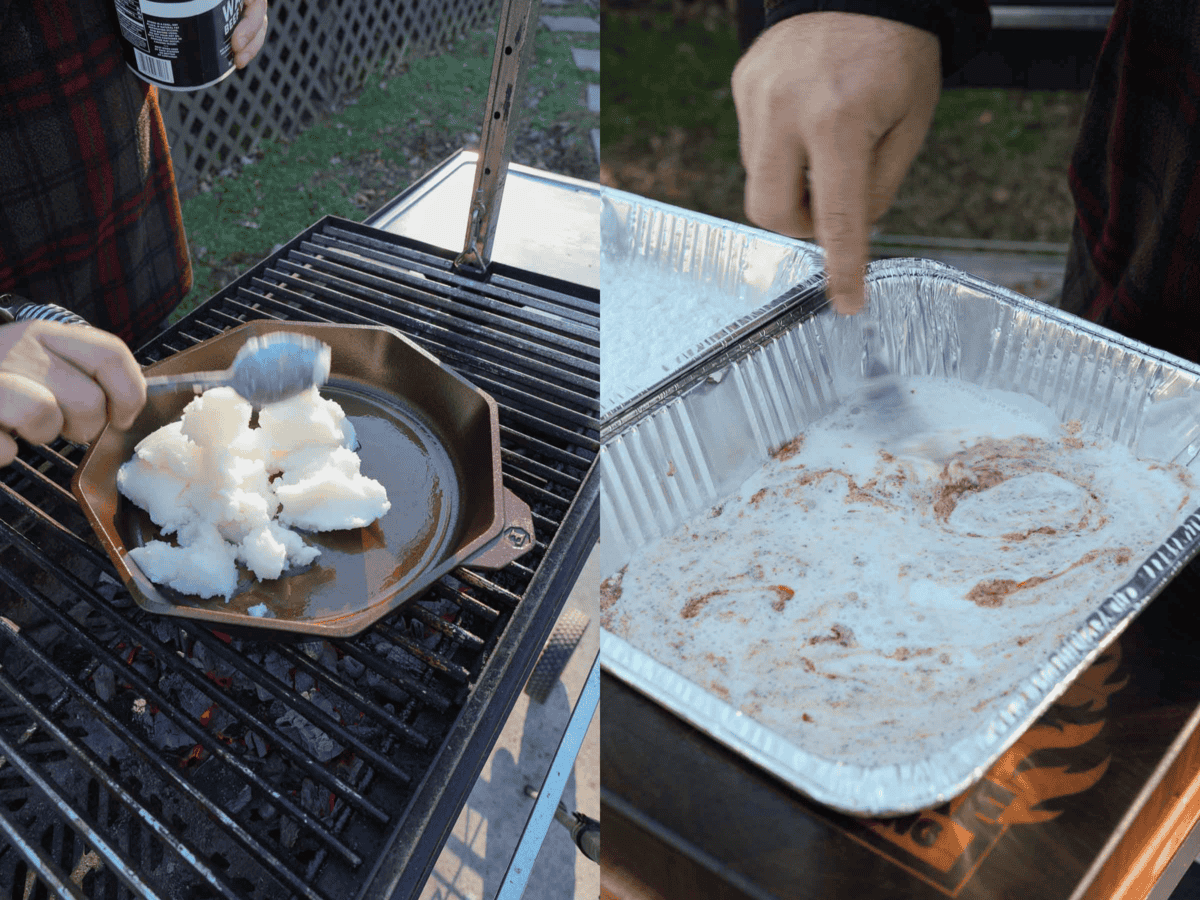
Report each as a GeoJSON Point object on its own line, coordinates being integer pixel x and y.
{"type": "Point", "coordinates": [506, 94]}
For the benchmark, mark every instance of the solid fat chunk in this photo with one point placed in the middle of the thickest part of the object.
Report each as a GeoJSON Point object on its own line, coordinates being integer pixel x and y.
{"type": "Point", "coordinates": [330, 496]}
{"type": "Point", "coordinates": [203, 564]}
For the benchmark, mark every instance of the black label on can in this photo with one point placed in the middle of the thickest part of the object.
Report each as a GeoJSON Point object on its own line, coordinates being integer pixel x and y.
{"type": "Point", "coordinates": [178, 45]}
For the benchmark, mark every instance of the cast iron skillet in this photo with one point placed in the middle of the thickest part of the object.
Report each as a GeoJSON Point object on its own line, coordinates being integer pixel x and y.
{"type": "Point", "coordinates": [425, 432]}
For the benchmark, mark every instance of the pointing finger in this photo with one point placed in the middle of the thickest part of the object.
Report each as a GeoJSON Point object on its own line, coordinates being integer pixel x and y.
{"type": "Point", "coordinates": [840, 192]}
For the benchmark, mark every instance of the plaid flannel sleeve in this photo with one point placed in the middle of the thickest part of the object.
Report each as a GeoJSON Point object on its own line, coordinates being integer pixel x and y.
{"type": "Point", "coordinates": [89, 213]}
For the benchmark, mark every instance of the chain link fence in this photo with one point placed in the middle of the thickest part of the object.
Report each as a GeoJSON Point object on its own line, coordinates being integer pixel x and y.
{"type": "Point", "coordinates": [317, 52]}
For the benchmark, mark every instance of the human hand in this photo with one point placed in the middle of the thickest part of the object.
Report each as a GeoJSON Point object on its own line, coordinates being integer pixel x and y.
{"type": "Point", "coordinates": [844, 100]}
{"type": "Point", "coordinates": [64, 379]}
{"type": "Point", "coordinates": [247, 38]}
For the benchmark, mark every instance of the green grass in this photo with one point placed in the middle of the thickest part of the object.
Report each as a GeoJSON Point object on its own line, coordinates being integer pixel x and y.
{"type": "Point", "coordinates": [1002, 123]}
{"type": "Point", "coordinates": [994, 167]}
{"type": "Point", "coordinates": [296, 182]}
{"type": "Point", "coordinates": [661, 74]}
{"type": "Point", "coordinates": [239, 219]}
{"type": "Point", "coordinates": [553, 76]}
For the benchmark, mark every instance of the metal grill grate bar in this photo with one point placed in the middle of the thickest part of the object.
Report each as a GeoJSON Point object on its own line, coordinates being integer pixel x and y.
{"type": "Point", "coordinates": [76, 543]}
{"type": "Point", "coordinates": [538, 493]}
{"type": "Point", "coordinates": [533, 344]}
{"type": "Point", "coordinates": [83, 827]}
{"type": "Point", "coordinates": [449, 629]}
{"type": "Point", "coordinates": [453, 670]}
{"type": "Point", "coordinates": [561, 477]}
{"type": "Point", "coordinates": [62, 493]}
{"type": "Point", "coordinates": [306, 708]}
{"type": "Point", "coordinates": [403, 681]}
{"type": "Point", "coordinates": [559, 302]}
{"type": "Point", "coordinates": [150, 692]}
{"type": "Point", "coordinates": [481, 300]}
{"type": "Point", "coordinates": [300, 661]}
{"type": "Point", "coordinates": [507, 394]}
{"type": "Point", "coordinates": [47, 872]}
{"type": "Point", "coordinates": [342, 290]}
{"type": "Point", "coordinates": [477, 580]}
{"type": "Point", "coordinates": [510, 437]}
{"type": "Point", "coordinates": [431, 332]}
{"type": "Point", "coordinates": [299, 756]}
{"type": "Point", "coordinates": [467, 603]}
{"type": "Point", "coordinates": [170, 775]}
{"type": "Point", "coordinates": [87, 759]}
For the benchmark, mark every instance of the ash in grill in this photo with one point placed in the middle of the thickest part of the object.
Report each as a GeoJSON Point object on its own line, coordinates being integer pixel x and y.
{"type": "Point", "coordinates": [147, 756]}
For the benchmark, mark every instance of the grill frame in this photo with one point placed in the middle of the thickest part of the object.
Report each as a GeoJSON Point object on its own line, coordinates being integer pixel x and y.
{"type": "Point", "coordinates": [407, 854]}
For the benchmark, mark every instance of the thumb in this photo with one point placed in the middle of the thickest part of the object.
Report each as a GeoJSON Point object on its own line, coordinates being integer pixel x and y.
{"type": "Point", "coordinates": [840, 185]}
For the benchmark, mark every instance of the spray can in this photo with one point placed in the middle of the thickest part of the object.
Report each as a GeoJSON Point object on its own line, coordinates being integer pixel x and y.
{"type": "Point", "coordinates": [178, 45]}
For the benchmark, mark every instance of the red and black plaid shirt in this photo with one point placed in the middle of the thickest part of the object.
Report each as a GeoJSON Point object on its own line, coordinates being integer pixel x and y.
{"type": "Point", "coordinates": [1135, 175]}
{"type": "Point", "coordinates": [89, 215]}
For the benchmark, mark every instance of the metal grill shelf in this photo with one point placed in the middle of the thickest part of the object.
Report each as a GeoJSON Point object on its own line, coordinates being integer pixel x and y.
{"type": "Point", "coordinates": [145, 756]}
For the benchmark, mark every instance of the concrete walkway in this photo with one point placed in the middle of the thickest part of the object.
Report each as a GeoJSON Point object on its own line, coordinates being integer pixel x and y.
{"type": "Point", "coordinates": [587, 59]}
{"type": "Point", "coordinates": [476, 857]}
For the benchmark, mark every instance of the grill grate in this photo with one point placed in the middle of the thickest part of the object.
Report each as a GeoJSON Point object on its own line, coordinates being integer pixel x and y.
{"type": "Point", "coordinates": [145, 756]}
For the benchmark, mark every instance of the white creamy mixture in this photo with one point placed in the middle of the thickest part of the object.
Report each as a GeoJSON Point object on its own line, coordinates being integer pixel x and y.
{"type": "Point", "coordinates": [848, 589]}
{"type": "Point", "coordinates": [645, 319]}
{"type": "Point", "coordinates": [229, 492]}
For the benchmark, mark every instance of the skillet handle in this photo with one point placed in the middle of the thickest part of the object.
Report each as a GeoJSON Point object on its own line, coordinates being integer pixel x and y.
{"type": "Point", "coordinates": [515, 538]}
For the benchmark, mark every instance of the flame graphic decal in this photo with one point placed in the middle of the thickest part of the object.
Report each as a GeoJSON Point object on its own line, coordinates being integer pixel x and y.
{"type": "Point", "coordinates": [1091, 691]}
{"type": "Point", "coordinates": [1033, 785]}
{"type": "Point", "coordinates": [951, 841]}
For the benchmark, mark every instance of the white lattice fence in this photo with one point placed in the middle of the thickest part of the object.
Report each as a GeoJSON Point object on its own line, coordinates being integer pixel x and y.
{"type": "Point", "coordinates": [317, 51]}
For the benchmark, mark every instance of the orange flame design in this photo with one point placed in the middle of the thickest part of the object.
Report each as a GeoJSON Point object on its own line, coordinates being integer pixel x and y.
{"type": "Point", "coordinates": [1092, 690]}
{"type": "Point", "coordinates": [1014, 788]}
{"type": "Point", "coordinates": [1033, 785]}
{"type": "Point", "coordinates": [1046, 783]}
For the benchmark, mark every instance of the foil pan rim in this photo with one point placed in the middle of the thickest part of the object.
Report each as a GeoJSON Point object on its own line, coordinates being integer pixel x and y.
{"type": "Point", "coordinates": [736, 329]}
{"type": "Point", "coordinates": [895, 789]}
{"type": "Point", "coordinates": [733, 340]}
{"type": "Point", "coordinates": [900, 788]}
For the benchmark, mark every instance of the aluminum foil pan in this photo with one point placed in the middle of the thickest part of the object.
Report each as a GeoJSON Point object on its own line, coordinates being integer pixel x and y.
{"type": "Point", "coordinates": [691, 281]}
{"type": "Point", "coordinates": [690, 444]}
